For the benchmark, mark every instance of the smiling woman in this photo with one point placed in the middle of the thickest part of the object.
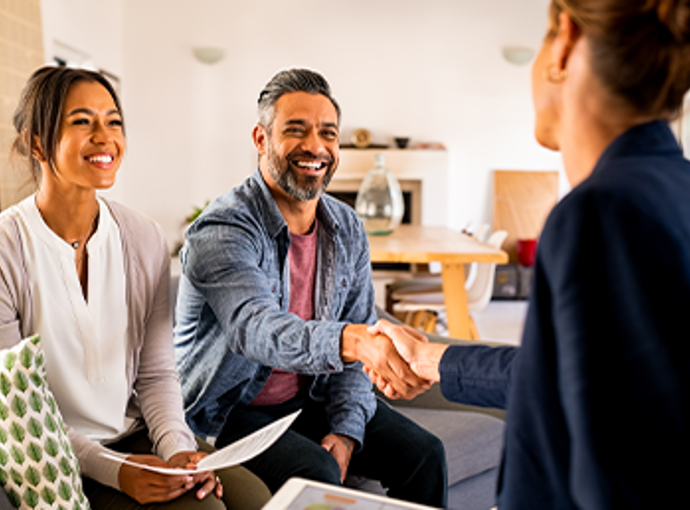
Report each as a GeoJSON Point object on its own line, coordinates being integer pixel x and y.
{"type": "Point", "coordinates": [92, 278]}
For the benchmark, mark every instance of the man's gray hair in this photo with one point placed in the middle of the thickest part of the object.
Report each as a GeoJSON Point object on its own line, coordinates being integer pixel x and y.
{"type": "Point", "coordinates": [285, 82]}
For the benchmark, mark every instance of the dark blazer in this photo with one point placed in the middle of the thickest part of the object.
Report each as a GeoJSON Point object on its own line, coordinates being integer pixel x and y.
{"type": "Point", "coordinates": [599, 403]}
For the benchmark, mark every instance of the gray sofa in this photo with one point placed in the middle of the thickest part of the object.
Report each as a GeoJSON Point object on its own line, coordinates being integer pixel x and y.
{"type": "Point", "coordinates": [472, 437]}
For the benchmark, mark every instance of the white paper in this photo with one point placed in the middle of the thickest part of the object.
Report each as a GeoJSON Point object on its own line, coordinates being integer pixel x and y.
{"type": "Point", "coordinates": [240, 451]}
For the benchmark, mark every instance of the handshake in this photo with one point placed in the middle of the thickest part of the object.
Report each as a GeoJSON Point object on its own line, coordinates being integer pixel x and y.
{"type": "Point", "coordinates": [399, 360]}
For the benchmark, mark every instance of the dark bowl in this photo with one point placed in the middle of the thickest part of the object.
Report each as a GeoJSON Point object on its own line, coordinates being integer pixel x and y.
{"type": "Point", "coordinates": [401, 142]}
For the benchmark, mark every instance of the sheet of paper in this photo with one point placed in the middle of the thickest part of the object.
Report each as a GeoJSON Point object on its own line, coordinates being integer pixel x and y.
{"type": "Point", "coordinates": [240, 451]}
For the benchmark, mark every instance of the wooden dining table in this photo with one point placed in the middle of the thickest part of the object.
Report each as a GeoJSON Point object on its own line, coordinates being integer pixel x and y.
{"type": "Point", "coordinates": [419, 244]}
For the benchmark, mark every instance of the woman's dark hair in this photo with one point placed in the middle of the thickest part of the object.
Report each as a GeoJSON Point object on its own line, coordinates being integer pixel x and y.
{"type": "Point", "coordinates": [38, 116]}
{"type": "Point", "coordinates": [640, 48]}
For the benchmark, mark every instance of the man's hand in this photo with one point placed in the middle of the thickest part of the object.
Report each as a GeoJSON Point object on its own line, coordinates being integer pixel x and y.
{"type": "Point", "coordinates": [341, 448]}
{"type": "Point", "coordinates": [423, 357]}
{"type": "Point", "coordinates": [378, 354]}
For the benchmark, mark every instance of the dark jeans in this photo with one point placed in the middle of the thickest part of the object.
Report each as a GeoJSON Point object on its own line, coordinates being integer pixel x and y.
{"type": "Point", "coordinates": [408, 461]}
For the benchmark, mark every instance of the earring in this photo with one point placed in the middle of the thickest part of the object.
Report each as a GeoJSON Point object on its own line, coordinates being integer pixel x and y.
{"type": "Point", "coordinates": [555, 75]}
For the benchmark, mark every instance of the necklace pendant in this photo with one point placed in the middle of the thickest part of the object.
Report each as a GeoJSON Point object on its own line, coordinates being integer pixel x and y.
{"type": "Point", "coordinates": [75, 244]}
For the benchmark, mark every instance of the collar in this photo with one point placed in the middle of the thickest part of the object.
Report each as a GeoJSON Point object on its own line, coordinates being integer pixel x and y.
{"type": "Point", "coordinates": [649, 139]}
{"type": "Point", "coordinates": [273, 219]}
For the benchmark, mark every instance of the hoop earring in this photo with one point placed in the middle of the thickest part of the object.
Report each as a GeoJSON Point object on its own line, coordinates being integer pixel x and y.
{"type": "Point", "coordinates": [555, 75]}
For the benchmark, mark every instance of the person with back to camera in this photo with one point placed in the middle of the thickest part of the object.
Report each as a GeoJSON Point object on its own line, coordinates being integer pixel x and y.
{"type": "Point", "coordinates": [598, 394]}
{"type": "Point", "coordinates": [92, 278]}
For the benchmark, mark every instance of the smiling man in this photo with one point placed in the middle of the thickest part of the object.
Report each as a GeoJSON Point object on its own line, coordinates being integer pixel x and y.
{"type": "Point", "coordinates": [274, 303]}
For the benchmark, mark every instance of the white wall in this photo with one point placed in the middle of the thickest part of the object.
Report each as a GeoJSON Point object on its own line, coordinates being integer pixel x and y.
{"type": "Point", "coordinates": [92, 28]}
{"type": "Point", "coordinates": [87, 33]}
{"type": "Point", "coordinates": [430, 70]}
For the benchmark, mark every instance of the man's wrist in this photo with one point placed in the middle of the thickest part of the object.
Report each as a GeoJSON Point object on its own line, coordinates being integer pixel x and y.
{"type": "Point", "coordinates": [349, 339]}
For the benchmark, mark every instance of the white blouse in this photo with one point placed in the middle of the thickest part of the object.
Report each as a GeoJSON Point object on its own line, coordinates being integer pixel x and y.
{"type": "Point", "coordinates": [84, 342]}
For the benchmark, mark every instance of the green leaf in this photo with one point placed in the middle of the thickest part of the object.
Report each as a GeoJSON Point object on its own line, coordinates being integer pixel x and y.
{"type": "Point", "coordinates": [50, 472]}
{"type": "Point", "coordinates": [37, 379]}
{"type": "Point", "coordinates": [17, 455]}
{"type": "Point", "coordinates": [64, 490]}
{"type": "Point", "coordinates": [66, 445]}
{"type": "Point", "coordinates": [18, 406]}
{"type": "Point", "coordinates": [21, 381]}
{"type": "Point", "coordinates": [35, 401]}
{"type": "Point", "coordinates": [35, 428]}
{"type": "Point", "coordinates": [10, 359]}
{"type": "Point", "coordinates": [31, 498]}
{"type": "Point", "coordinates": [51, 403]}
{"type": "Point", "coordinates": [17, 432]}
{"type": "Point", "coordinates": [51, 446]}
{"type": "Point", "coordinates": [34, 452]}
{"type": "Point", "coordinates": [14, 498]}
{"type": "Point", "coordinates": [65, 466]}
{"type": "Point", "coordinates": [32, 476]}
{"type": "Point", "coordinates": [4, 456]}
{"type": "Point", "coordinates": [48, 495]}
{"type": "Point", "coordinates": [49, 422]}
{"type": "Point", "coordinates": [3, 435]}
{"type": "Point", "coordinates": [4, 477]}
{"type": "Point", "coordinates": [26, 357]}
{"type": "Point", "coordinates": [17, 477]}
{"type": "Point", "coordinates": [5, 384]}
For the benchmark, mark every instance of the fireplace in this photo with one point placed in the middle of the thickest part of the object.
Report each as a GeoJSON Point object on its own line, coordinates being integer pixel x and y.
{"type": "Point", "coordinates": [422, 175]}
{"type": "Point", "coordinates": [346, 191]}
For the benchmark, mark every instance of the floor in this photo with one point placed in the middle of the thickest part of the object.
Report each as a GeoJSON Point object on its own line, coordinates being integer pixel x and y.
{"type": "Point", "coordinates": [502, 321]}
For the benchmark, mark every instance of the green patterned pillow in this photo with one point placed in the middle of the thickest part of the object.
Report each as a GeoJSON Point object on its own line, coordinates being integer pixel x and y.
{"type": "Point", "coordinates": [38, 468]}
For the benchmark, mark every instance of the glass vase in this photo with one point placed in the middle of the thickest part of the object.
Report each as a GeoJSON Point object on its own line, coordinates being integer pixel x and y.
{"type": "Point", "coordinates": [379, 202]}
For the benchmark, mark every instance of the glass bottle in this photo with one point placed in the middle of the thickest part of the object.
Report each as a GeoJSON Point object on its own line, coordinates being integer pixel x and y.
{"type": "Point", "coordinates": [379, 202]}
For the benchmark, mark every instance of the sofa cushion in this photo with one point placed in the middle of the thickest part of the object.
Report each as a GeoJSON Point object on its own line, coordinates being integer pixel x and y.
{"type": "Point", "coordinates": [473, 441]}
{"type": "Point", "coordinates": [38, 468]}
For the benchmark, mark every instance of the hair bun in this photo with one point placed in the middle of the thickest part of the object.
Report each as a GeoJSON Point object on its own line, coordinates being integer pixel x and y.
{"type": "Point", "coordinates": [675, 16]}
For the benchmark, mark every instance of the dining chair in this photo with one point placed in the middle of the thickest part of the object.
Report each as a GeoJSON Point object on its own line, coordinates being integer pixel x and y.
{"type": "Point", "coordinates": [418, 301]}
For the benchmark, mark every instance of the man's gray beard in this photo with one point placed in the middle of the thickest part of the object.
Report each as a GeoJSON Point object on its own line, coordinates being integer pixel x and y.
{"type": "Point", "coordinates": [288, 182]}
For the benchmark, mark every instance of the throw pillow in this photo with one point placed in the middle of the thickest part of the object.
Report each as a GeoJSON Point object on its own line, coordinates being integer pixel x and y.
{"type": "Point", "coordinates": [38, 468]}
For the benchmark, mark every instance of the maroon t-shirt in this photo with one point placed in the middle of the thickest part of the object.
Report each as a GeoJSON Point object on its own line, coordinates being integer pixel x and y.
{"type": "Point", "coordinates": [281, 386]}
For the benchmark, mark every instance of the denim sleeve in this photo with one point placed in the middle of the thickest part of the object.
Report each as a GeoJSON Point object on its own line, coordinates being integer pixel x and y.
{"type": "Point", "coordinates": [351, 401]}
{"type": "Point", "coordinates": [229, 265]}
{"type": "Point", "coordinates": [477, 375]}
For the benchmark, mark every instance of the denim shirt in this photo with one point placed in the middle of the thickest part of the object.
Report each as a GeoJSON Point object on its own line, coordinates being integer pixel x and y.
{"type": "Point", "coordinates": [233, 324]}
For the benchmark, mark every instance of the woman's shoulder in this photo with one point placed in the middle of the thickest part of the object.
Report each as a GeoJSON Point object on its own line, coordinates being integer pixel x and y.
{"type": "Point", "coordinates": [141, 236]}
{"type": "Point", "coordinates": [131, 219]}
{"type": "Point", "coordinates": [10, 237]}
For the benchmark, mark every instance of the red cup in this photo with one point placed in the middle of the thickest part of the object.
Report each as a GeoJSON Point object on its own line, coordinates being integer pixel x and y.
{"type": "Point", "coordinates": [526, 251]}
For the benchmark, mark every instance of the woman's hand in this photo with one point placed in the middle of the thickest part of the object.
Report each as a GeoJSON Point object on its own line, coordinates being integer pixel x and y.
{"type": "Point", "coordinates": [147, 486]}
{"type": "Point", "coordinates": [208, 480]}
